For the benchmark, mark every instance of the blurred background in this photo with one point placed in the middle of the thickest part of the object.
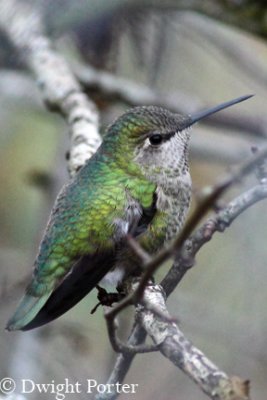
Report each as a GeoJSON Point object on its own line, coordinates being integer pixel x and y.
{"type": "Point", "coordinates": [200, 53]}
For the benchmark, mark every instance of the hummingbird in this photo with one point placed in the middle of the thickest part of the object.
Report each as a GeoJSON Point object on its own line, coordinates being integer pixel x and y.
{"type": "Point", "coordinates": [137, 183]}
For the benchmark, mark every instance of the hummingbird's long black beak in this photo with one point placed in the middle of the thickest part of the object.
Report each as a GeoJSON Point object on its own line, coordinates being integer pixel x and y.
{"type": "Point", "coordinates": [203, 114]}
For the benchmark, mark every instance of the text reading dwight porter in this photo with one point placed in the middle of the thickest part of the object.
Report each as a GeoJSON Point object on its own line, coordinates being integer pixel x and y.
{"type": "Point", "coordinates": [63, 389]}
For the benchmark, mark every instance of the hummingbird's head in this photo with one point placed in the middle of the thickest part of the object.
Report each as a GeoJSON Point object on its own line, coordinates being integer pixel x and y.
{"type": "Point", "coordinates": [155, 138]}
{"type": "Point", "coordinates": [158, 138]}
{"type": "Point", "coordinates": [150, 137]}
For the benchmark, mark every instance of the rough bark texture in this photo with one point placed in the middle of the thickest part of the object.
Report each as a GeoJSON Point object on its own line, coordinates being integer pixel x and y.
{"type": "Point", "coordinates": [62, 93]}
{"type": "Point", "coordinates": [59, 88]}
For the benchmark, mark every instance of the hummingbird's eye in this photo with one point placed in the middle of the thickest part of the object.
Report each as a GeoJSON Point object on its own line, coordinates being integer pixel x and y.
{"type": "Point", "coordinates": [156, 139]}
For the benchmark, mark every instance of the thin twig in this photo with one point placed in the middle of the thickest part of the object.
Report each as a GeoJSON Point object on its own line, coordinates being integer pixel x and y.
{"type": "Point", "coordinates": [198, 214]}
{"type": "Point", "coordinates": [119, 346]}
{"type": "Point", "coordinates": [62, 93]}
{"type": "Point", "coordinates": [123, 363]}
{"type": "Point", "coordinates": [217, 223]}
{"type": "Point", "coordinates": [185, 260]}
{"type": "Point", "coordinates": [138, 250]}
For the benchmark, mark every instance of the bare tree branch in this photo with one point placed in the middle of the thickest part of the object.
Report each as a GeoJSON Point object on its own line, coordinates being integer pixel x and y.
{"type": "Point", "coordinates": [218, 223]}
{"type": "Point", "coordinates": [183, 261]}
{"type": "Point", "coordinates": [62, 93]}
{"type": "Point", "coordinates": [162, 256]}
{"type": "Point", "coordinates": [118, 345]}
{"type": "Point", "coordinates": [180, 351]}
{"type": "Point", "coordinates": [117, 89]}
{"type": "Point", "coordinates": [60, 90]}
{"type": "Point", "coordinates": [123, 362]}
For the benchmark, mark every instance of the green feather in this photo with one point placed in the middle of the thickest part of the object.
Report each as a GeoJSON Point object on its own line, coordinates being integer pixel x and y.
{"type": "Point", "coordinates": [82, 220]}
{"type": "Point", "coordinates": [26, 311]}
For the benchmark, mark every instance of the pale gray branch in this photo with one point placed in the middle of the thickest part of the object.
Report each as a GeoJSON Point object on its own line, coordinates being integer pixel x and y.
{"type": "Point", "coordinates": [114, 88]}
{"type": "Point", "coordinates": [185, 260]}
{"type": "Point", "coordinates": [218, 223]}
{"type": "Point", "coordinates": [182, 353]}
{"type": "Point", "coordinates": [59, 87]}
{"type": "Point", "coordinates": [123, 362]}
{"type": "Point", "coordinates": [62, 92]}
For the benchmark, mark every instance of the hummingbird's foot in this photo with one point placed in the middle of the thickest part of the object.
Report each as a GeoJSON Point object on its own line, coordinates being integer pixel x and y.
{"type": "Point", "coordinates": [107, 299]}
